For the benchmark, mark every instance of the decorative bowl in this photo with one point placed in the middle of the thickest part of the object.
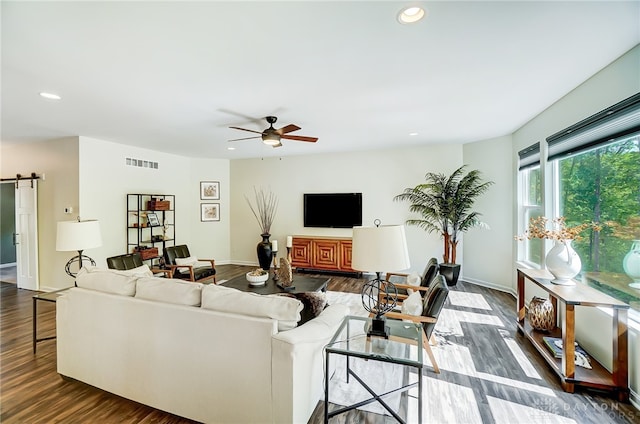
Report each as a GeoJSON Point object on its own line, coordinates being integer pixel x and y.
{"type": "Point", "coordinates": [257, 280]}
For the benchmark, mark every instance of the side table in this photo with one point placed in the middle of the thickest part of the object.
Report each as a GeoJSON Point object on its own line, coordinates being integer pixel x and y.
{"type": "Point", "coordinates": [46, 297]}
{"type": "Point", "coordinates": [351, 341]}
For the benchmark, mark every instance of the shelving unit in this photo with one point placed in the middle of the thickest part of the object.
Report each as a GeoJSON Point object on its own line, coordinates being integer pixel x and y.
{"type": "Point", "coordinates": [140, 234]}
{"type": "Point", "coordinates": [568, 297]}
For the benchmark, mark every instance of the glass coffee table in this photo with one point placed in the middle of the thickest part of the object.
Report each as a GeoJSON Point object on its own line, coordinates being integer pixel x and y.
{"type": "Point", "coordinates": [351, 341]}
{"type": "Point", "coordinates": [45, 297]}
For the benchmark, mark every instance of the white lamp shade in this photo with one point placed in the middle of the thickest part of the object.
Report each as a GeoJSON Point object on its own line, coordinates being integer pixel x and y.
{"type": "Point", "coordinates": [378, 249]}
{"type": "Point", "coordinates": [78, 235]}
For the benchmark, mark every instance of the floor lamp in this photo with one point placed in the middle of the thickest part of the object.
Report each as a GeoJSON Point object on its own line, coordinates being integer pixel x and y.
{"type": "Point", "coordinates": [383, 247]}
{"type": "Point", "coordinates": [78, 236]}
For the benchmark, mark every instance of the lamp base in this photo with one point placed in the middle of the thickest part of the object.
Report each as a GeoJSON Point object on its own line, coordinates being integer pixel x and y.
{"type": "Point", "coordinates": [79, 258]}
{"type": "Point", "coordinates": [378, 328]}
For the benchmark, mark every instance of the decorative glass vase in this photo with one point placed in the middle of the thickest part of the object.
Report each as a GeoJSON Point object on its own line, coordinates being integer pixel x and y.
{"type": "Point", "coordinates": [563, 262]}
{"type": "Point", "coordinates": [631, 264]}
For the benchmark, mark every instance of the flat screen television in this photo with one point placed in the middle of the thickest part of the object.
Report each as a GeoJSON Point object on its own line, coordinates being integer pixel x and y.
{"type": "Point", "coordinates": [332, 210]}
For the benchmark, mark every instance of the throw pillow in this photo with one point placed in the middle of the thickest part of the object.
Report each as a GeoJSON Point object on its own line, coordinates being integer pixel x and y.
{"type": "Point", "coordinates": [186, 261]}
{"type": "Point", "coordinates": [141, 271]}
{"type": "Point", "coordinates": [313, 303]}
{"type": "Point", "coordinates": [412, 305]}
{"type": "Point", "coordinates": [413, 279]}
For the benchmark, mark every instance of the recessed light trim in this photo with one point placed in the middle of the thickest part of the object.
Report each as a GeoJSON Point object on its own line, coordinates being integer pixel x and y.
{"type": "Point", "coordinates": [50, 96]}
{"type": "Point", "coordinates": [411, 14]}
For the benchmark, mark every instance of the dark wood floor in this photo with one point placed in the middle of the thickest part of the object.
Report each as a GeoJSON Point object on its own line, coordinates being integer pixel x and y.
{"type": "Point", "coordinates": [32, 392]}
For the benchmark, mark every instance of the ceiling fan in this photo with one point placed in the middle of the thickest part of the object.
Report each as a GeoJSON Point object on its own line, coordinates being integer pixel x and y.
{"type": "Point", "coordinates": [272, 136]}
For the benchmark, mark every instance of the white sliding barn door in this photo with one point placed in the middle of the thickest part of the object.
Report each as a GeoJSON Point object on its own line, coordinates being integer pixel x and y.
{"type": "Point", "coordinates": [27, 234]}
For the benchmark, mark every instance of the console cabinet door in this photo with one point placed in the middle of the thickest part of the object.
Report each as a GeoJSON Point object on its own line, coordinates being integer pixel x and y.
{"type": "Point", "coordinates": [301, 253]}
{"type": "Point", "coordinates": [326, 254]}
{"type": "Point", "coordinates": [346, 249]}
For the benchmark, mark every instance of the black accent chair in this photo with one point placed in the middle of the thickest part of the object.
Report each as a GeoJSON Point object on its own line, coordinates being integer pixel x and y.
{"type": "Point", "coordinates": [400, 279]}
{"type": "Point", "coordinates": [432, 302]}
{"type": "Point", "coordinates": [197, 273]}
{"type": "Point", "coordinates": [124, 262]}
{"type": "Point", "coordinates": [131, 261]}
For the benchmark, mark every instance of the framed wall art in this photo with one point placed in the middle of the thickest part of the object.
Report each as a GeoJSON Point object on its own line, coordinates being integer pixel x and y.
{"type": "Point", "coordinates": [209, 212]}
{"type": "Point", "coordinates": [209, 190]}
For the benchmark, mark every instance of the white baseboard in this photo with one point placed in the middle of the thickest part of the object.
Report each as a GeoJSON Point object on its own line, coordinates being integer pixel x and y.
{"type": "Point", "coordinates": [489, 285]}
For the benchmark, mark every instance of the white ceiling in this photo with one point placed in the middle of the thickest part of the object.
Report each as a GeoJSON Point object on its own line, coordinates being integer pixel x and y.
{"type": "Point", "coordinates": [173, 76]}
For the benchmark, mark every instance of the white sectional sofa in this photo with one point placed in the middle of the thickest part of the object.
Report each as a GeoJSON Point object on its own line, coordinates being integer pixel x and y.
{"type": "Point", "coordinates": [204, 352]}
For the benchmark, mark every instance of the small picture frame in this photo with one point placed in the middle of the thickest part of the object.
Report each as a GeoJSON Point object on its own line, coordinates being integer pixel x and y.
{"type": "Point", "coordinates": [209, 212]}
{"type": "Point", "coordinates": [152, 217]}
{"type": "Point", "coordinates": [209, 190]}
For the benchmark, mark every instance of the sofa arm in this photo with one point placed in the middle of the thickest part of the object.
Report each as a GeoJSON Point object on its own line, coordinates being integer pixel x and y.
{"type": "Point", "coordinates": [298, 365]}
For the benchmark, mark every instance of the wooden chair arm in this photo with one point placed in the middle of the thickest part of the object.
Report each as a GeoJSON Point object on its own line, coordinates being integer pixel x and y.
{"type": "Point", "coordinates": [397, 274]}
{"type": "Point", "coordinates": [409, 286]}
{"type": "Point", "coordinates": [213, 262]}
{"type": "Point", "coordinates": [414, 318]}
{"type": "Point", "coordinates": [174, 268]}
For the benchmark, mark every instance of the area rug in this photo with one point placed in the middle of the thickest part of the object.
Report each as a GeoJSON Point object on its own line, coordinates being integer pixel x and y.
{"type": "Point", "coordinates": [379, 376]}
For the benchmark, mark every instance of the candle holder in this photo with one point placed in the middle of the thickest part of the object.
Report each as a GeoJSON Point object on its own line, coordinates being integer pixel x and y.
{"type": "Point", "coordinates": [289, 254]}
{"type": "Point", "coordinates": [275, 265]}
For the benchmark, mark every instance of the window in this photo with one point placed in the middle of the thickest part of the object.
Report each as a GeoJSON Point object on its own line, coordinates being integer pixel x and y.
{"type": "Point", "coordinates": [592, 174]}
{"type": "Point", "coordinates": [603, 185]}
{"type": "Point", "coordinates": [531, 195]}
{"type": "Point", "coordinates": [531, 190]}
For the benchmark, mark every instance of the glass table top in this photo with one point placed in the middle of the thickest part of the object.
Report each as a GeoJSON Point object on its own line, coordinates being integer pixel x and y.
{"type": "Point", "coordinates": [351, 340]}
{"type": "Point", "coordinates": [51, 296]}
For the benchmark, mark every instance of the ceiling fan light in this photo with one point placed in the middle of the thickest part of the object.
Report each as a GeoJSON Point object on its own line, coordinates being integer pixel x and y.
{"type": "Point", "coordinates": [271, 139]}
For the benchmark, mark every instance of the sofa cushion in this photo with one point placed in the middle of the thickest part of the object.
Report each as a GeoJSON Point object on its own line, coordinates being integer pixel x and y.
{"type": "Point", "coordinates": [226, 299]}
{"type": "Point", "coordinates": [141, 271]}
{"type": "Point", "coordinates": [107, 280]}
{"type": "Point", "coordinates": [169, 290]}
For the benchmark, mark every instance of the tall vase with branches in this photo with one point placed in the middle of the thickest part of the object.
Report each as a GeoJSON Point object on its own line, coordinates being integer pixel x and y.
{"type": "Point", "coordinates": [266, 205]}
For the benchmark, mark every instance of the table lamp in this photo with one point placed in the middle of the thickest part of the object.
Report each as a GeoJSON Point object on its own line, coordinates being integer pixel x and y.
{"type": "Point", "coordinates": [78, 235]}
{"type": "Point", "coordinates": [383, 247]}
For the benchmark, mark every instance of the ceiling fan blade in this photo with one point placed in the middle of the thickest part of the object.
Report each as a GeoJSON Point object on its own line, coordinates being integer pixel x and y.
{"type": "Point", "coordinates": [289, 128]}
{"type": "Point", "coordinates": [300, 138]}
{"type": "Point", "coordinates": [247, 138]}
{"type": "Point", "coordinates": [244, 129]}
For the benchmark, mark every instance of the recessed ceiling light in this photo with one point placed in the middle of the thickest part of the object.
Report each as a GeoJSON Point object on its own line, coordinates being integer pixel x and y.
{"type": "Point", "coordinates": [50, 96]}
{"type": "Point", "coordinates": [413, 133]}
{"type": "Point", "coordinates": [411, 14]}
{"type": "Point", "coordinates": [231, 148]}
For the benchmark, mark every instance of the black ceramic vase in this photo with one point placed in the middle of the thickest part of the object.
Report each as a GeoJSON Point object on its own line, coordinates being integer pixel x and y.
{"type": "Point", "coordinates": [264, 252]}
{"type": "Point", "coordinates": [450, 272]}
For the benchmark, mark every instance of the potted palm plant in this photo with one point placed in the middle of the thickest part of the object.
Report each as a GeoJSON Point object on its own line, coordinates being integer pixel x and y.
{"type": "Point", "coordinates": [445, 205]}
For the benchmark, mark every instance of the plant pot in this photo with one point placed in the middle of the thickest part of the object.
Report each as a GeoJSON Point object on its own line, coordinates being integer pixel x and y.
{"type": "Point", "coordinates": [450, 272]}
{"type": "Point", "coordinates": [264, 252]}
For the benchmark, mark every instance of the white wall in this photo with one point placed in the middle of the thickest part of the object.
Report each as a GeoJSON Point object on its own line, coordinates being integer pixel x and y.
{"type": "Point", "coordinates": [105, 180]}
{"type": "Point", "coordinates": [614, 83]}
{"type": "Point", "coordinates": [58, 160]}
{"type": "Point", "coordinates": [378, 175]}
{"type": "Point", "coordinates": [488, 254]}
